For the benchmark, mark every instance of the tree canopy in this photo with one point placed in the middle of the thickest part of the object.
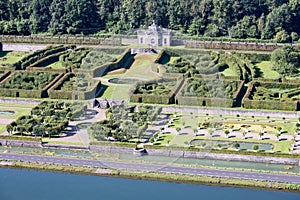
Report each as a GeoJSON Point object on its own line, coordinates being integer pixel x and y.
{"type": "Point", "coordinates": [285, 60]}
{"type": "Point", "coordinates": [262, 19]}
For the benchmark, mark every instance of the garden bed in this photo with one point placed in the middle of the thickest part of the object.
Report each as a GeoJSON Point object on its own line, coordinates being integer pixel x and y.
{"type": "Point", "coordinates": [160, 91]}
{"type": "Point", "coordinates": [272, 96]}
{"type": "Point", "coordinates": [28, 84]}
{"type": "Point", "coordinates": [210, 92]}
{"type": "Point", "coordinates": [75, 86]}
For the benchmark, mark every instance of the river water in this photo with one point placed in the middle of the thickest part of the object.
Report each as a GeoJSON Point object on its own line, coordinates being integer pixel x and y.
{"type": "Point", "coordinates": [37, 185]}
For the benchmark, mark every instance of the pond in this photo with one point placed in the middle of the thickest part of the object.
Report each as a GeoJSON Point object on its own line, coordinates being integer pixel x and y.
{"type": "Point", "coordinates": [124, 81]}
{"type": "Point", "coordinates": [230, 144]}
{"type": "Point", "coordinates": [6, 113]}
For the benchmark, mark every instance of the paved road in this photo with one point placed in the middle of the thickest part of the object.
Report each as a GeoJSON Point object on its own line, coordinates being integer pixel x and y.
{"type": "Point", "coordinates": [151, 167]}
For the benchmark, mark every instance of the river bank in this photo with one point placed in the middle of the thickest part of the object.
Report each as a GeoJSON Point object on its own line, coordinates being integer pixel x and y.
{"type": "Point", "coordinates": [157, 176]}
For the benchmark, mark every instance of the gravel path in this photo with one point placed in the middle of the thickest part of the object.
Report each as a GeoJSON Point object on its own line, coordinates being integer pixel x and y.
{"type": "Point", "coordinates": [23, 47]}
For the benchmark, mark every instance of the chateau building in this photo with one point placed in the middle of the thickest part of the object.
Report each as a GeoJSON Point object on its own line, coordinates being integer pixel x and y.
{"type": "Point", "coordinates": [154, 36]}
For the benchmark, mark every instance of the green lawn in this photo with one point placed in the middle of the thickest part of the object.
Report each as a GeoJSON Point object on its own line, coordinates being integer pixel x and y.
{"type": "Point", "coordinates": [266, 71]}
{"type": "Point", "coordinates": [141, 68]}
{"type": "Point", "coordinates": [20, 109]}
{"type": "Point", "coordinates": [116, 92]}
{"type": "Point", "coordinates": [2, 129]}
{"type": "Point", "coordinates": [164, 139]}
{"type": "Point", "coordinates": [230, 72]}
{"type": "Point", "coordinates": [56, 65]}
{"type": "Point", "coordinates": [282, 146]}
{"type": "Point", "coordinates": [7, 57]}
{"type": "Point", "coordinates": [181, 140]}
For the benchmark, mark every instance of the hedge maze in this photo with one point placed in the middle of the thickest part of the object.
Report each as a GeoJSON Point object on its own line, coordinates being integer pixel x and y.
{"type": "Point", "coordinates": [161, 91]}
{"type": "Point", "coordinates": [28, 84]}
{"type": "Point", "coordinates": [204, 84]}
{"type": "Point", "coordinates": [31, 77]}
{"type": "Point", "coordinates": [273, 95]}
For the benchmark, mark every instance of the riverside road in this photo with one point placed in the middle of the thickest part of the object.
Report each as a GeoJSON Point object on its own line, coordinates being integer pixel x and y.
{"type": "Point", "coordinates": [150, 168]}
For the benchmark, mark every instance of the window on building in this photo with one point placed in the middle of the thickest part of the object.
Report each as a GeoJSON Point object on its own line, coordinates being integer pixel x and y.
{"type": "Point", "coordinates": [141, 41]}
{"type": "Point", "coordinates": [165, 40]}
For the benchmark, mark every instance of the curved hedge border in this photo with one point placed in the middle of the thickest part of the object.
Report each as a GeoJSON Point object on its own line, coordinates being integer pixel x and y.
{"type": "Point", "coordinates": [124, 61]}
{"type": "Point", "coordinates": [37, 55]}
{"type": "Point", "coordinates": [67, 94]}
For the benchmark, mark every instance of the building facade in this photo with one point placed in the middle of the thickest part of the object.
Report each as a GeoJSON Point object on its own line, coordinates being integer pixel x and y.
{"type": "Point", "coordinates": [154, 36]}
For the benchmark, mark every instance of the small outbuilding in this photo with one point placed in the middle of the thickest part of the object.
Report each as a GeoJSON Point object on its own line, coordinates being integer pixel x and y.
{"type": "Point", "coordinates": [154, 36]}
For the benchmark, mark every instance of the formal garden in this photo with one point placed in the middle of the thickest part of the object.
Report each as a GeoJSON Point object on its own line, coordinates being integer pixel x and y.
{"type": "Point", "coordinates": [47, 119]}
{"type": "Point", "coordinates": [125, 123]}
{"type": "Point", "coordinates": [174, 77]}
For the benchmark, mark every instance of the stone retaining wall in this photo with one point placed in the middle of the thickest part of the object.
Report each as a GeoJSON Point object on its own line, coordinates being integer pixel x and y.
{"type": "Point", "coordinates": [200, 155]}
{"type": "Point", "coordinates": [19, 143]}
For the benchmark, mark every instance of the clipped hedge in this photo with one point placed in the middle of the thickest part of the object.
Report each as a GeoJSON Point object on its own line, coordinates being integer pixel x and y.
{"type": "Point", "coordinates": [282, 104]}
{"type": "Point", "coordinates": [4, 76]}
{"type": "Point", "coordinates": [23, 93]}
{"type": "Point", "coordinates": [37, 55]}
{"type": "Point", "coordinates": [155, 98]}
{"type": "Point", "coordinates": [124, 61]}
{"type": "Point", "coordinates": [57, 93]}
{"type": "Point", "coordinates": [211, 102]}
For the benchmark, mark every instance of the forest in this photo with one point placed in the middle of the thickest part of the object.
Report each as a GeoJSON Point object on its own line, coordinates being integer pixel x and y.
{"type": "Point", "coordinates": [261, 19]}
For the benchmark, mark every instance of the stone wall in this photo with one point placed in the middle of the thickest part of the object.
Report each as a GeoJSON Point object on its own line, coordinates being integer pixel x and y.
{"type": "Point", "coordinates": [19, 143]}
{"type": "Point", "coordinates": [218, 111]}
{"type": "Point", "coordinates": [199, 155]}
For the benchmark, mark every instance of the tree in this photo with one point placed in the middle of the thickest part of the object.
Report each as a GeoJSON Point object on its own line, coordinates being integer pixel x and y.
{"type": "Point", "coordinates": [285, 60]}
{"type": "Point", "coordinates": [57, 24]}
{"type": "Point", "coordinates": [9, 128]}
{"type": "Point", "coordinates": [40, 16]}
{"type": "Point", "coordinates": [226, 132]}
{"type": "Point", "coordinates": [255, 147]}
{"type": "Point", "coordinates": [81, 16]}
{"type": "Point", "coordinates": [282, 37]}
{"type": "Point", "coordinates": [278, 19]}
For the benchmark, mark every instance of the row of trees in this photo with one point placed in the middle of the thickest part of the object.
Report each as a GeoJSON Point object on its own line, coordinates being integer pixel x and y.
{"type": "Point", "coordinates": [265, 19]}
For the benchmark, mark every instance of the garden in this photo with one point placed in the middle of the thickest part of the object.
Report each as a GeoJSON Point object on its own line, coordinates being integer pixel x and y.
{"type": "Point", "coordinates": [28, 80]}
{"type": "Point", "coordinates": [125, 123]}
{"type": "Point", "coordinates": [273, 96]}
{"type": "Point", "coordinates": [236, 133]}
{"type": "Point", "coordinates": [210, 88]}
{"type": "Point", "coordinates": [49, 118]}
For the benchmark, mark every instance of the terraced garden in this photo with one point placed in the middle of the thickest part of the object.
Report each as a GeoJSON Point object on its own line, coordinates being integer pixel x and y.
{"type": "Point", "coordinates": [210, 88]}
{"type": "Point", "coordinates": [28, 81]}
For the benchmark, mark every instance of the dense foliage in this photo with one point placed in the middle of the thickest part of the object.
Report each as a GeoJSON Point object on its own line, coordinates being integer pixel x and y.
{"type": "Point", "coordinates": [29, 81]}
{"type": "Point", "coordinates": [73, 58]}
{"type": "Point", "coordinates": [96, 58]}
{"type": "Point", "coordinates": [286, 60]}
{"type": "Point", "coordinates": [124, 123]}
{"type": "Point", "coordinates": [265, 19]}
{"type": "Point", "coordinates": [278, 91]}
{"type": "Point", "coordinates": [46, 119]}
{"type": "Point", "coordinates": [153, 88]}
{"type": "Point", "coordinates": [80, 82]}
{"type": "Point", "coordinates": [211, 88]}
